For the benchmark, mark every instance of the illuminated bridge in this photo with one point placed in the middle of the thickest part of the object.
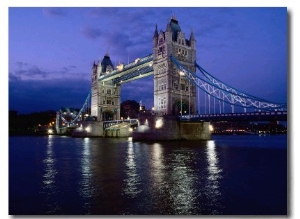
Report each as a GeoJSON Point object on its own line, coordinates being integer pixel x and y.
{"type": "Point", "coordinates": [215, 89]}
{"type": "Point", "coordinates": [179, 82]}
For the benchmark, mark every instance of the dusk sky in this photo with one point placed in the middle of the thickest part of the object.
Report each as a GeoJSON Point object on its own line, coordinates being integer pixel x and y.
{"type": "Point", "coordinates": [51, 50]}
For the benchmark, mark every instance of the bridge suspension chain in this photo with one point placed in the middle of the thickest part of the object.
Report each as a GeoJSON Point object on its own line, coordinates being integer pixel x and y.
{"type": "Point", "coordinates": [224, 92]}
{"type": "Point", "coordinates": [77, 117]}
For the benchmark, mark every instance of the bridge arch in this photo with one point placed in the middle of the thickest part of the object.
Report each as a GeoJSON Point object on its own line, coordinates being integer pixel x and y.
{"type": "Point", "coordinates": [108, 115]}
{"type": "Point", "coordinates": [186, 108]}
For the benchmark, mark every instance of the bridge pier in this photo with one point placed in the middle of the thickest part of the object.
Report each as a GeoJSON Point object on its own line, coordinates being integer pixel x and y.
{"type": "Point", "coordinates": [164, 128]}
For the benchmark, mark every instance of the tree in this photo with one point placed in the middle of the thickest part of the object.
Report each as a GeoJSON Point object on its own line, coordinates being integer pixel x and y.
{"type": "Point", "coordinates": [129, 108]}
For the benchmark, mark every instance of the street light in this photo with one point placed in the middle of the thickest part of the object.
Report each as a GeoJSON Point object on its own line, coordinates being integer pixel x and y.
{"type": "Point", "coordinates": [180, 74]}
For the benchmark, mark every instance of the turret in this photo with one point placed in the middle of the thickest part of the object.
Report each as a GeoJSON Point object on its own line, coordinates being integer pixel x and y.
{"type": "Point", "coordinates": [192, 40]}
{"type": "Point", "coordinates": [155, 36]}
{"type": "Point", "coordinates": [106, 64]}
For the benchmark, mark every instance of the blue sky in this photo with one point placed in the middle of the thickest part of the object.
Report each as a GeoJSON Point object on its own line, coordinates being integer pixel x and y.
{"type": "Point", "coordinates": [52, 49]}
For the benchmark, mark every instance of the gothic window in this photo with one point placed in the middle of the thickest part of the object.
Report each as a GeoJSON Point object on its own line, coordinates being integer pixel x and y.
{"type": "Point", "coordinates": [162, 103]}
{"type": "Point", "coordinates": [108, 91]}
{"type": "Point", "coordinates": [161, 41]}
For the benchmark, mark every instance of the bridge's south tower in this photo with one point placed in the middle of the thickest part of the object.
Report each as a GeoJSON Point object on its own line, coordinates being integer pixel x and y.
{"type": "Point", "coordinates": [172, 91]}
{"type": "Point", "coordinates": [105, 97]}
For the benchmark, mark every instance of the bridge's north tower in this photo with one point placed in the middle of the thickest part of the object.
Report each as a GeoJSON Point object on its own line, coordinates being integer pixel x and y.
{"type": "Point", "coordinates": [172, 91]}
{"type": "Point", "coordinates": [105, 98]}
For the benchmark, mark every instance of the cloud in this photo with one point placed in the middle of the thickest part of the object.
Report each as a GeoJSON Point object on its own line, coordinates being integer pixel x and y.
{"type": "Point", "coordinates": [54, 12]}
{"type": "Point", "coordinates": [13, 77]}
{"type": "Point", "coordinates": [91, 33]}
{"type": "Point", "coordinates": [21, 64]}
{"type": "Point", "coordinates": [32, 72]}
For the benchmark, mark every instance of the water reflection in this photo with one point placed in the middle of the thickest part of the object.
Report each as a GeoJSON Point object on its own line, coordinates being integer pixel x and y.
{"type": "Point", "coordinates": [49, 186]}
{"type": "Point", "coordinates": [173, 179]}
{"type": "Point", "coordinates": [157, 170]}
{"type": "Point", "coordinates": [212, 186]}
{"type": "Point", "coordinates": [132, 180]}
{"type": "Point", "coordinates": [183, 192]}
{"type": "Point", "coordinates": [86, 187]}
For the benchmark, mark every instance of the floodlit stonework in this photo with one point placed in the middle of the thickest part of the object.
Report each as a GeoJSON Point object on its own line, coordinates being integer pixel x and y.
{"type": "Point", "coordinates": [171, 90]}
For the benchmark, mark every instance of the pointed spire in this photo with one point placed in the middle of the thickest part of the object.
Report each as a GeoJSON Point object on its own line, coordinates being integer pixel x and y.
{"type": "Point", "coordinates": [168, 28]}
{"type": "Point", "coordinates": [192, 37]}
{"type": "Point", "coordinates": [155, 32]}
{"type": "Point", "coordinates": [174, 17]}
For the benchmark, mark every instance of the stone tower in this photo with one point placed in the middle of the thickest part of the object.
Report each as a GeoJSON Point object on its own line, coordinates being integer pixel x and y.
{"type": "Point", "coordinates": [105, 97]}
{"type": "Point", "coordinates": [172, 91]}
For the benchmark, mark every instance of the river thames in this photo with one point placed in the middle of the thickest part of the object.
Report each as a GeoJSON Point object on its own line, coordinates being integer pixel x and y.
{"type": "Point", "coordinates": [228, 175]}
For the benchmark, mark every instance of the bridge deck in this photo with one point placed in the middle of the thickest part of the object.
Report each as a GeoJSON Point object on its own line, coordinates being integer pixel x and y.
{"type": "Point", "coordinates": [253, 116]}
{"type": "Point", "coordinates": [137, 69]}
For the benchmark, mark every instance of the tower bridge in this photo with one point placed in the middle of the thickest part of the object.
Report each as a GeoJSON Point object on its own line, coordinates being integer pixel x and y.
{"type": "Point", "coordinates": [176, 84]}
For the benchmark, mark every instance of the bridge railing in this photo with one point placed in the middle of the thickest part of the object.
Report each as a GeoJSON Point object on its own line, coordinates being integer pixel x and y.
{"type": "Point", "coordinates": [107, 124]}
{"type": "Point", "coordinates": [222, 91]}
{"type": "Point", "coordinates": [236, 115]}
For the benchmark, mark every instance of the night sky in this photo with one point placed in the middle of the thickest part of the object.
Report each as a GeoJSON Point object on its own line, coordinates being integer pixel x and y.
{"type": "Point", "coordinates": [51, 50]}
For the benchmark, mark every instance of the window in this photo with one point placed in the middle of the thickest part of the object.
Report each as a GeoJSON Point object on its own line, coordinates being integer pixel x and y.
{"type": "Point", "coordinates": [175, 86]}
{"type": "Point", "coordinates": [108, 91]}
{"type": "Point", "coordinates": [162, 103]}
{"type": "Point", "coordinates": [161, 41]}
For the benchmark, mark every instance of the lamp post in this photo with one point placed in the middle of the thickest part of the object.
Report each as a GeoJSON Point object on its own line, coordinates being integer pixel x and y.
{"type": "Point", "coordinates": [180, 74]}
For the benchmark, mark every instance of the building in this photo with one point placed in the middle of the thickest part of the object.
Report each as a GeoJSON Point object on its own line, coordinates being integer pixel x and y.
{"type": "Point", "coordinates": [105, 97]}
{"type": "Point", "coordinates": [173, 93]}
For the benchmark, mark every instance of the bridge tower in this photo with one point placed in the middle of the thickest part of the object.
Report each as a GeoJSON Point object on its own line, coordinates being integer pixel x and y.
{"type": "Point", "coordinates": [172, 91]}
{"type": "Point", "coordinates": [105, 97]}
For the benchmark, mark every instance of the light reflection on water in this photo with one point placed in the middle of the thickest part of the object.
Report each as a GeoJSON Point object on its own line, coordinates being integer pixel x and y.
{"type": "Point", "coordinates": [49, 181]}
{"type": "Point", "coordinates": [182, 191]}
{"type": "Point", "coordinates": [86, 189]}
{"type": "Point", "coordinates": [132, 179]}
{"type": "Point", "coordinates": [214, 175]}
{"type": "Point", "coordinates": [119, 176]}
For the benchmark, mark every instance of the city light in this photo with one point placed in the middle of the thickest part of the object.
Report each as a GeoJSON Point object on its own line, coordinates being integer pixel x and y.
{"type": "Point", "coordinates": [211, 128]}
{"type": "Point", "coordinates": [88, 129]}
{"type": "Point", "coordinates": [50, 131]}
{"type": "Point", "coordinates": [159, 123]}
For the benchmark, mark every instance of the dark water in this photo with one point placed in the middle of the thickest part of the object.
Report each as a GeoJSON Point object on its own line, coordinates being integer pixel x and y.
{"type": "Point", "coordinates": [229, 175]}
